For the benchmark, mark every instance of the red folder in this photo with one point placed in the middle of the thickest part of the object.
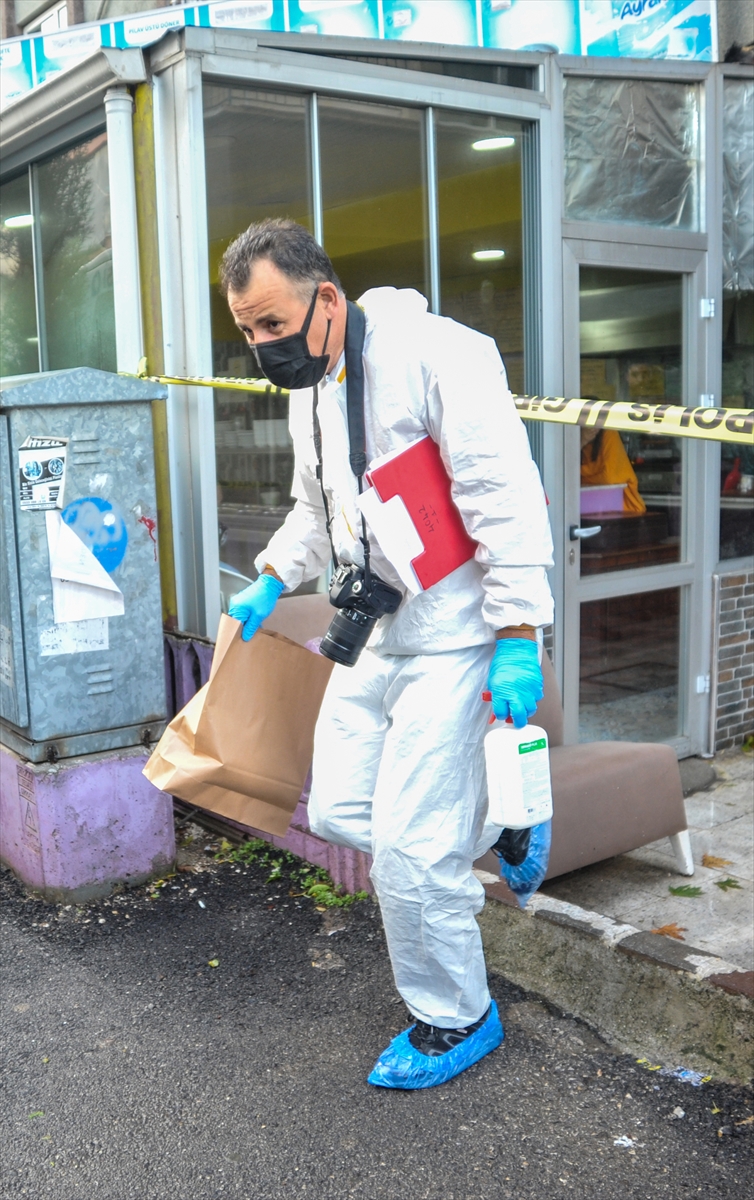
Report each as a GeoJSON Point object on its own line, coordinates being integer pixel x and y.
{"type": "Point", "coordinates": [418, 476]}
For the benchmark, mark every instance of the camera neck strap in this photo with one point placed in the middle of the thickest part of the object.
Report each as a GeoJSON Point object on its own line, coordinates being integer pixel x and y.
{"type": "Point", "coordinates": [357, 456]}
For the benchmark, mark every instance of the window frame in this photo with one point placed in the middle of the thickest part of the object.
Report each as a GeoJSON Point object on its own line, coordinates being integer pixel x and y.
{"type": "Point", "coordinates": [180, 64]}
{"type": "Point", "coordinates": [30, 169]}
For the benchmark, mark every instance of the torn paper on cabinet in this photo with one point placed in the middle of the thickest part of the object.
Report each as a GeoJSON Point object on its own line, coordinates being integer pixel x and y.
{"type": "Point", "coordinates": [82, 590]}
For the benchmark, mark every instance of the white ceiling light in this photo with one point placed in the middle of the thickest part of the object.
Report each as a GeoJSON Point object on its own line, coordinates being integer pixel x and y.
{"type": "Point", "coordinates": [20, 222]}
{"type": "Point", "coordinates": [488, 255]}
{"type": "Point", "coordinates": [493, 143]}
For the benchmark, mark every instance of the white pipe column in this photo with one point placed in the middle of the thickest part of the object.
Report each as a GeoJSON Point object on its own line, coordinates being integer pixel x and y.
{"type": "Point", "coordinates": [129, 341]}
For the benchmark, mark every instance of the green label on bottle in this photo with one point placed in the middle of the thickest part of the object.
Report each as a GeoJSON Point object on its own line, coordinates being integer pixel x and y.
{"type": "Point", "coordinates": [527, 747]}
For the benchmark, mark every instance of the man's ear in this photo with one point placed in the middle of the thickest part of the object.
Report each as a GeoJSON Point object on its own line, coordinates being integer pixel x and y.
{"type": "Point", "coordinates": [330, 298]}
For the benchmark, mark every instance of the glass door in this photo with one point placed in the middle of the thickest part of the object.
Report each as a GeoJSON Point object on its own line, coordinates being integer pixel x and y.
{"type": "Point", "coordinates": [631, 574]}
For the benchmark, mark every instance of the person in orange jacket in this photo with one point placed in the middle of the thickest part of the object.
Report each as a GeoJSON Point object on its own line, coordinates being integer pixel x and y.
{"type": "Point", "coordinates": [604, 460]}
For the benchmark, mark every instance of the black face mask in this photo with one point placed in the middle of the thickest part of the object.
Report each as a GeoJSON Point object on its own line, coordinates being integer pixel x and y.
{"type": "Point", "coordinates": [287, 362]}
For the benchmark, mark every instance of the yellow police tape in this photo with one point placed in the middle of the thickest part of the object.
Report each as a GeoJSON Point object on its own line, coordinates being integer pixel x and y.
{"type": "Point", "coordinates": [669, 420]}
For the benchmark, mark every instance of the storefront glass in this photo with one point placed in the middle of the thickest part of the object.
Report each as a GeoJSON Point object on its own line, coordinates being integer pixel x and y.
{"type": "Point", "coordinates": [479, 213]}
{"type": "Point", "coordinates": [375, 219]}
{"type": "Point", "coordinates": [629, 668]}
{"type": "Point", "coordinates": [258, 165]}
{"type": "Point", "coordinates": [632, 152]}
{"type": "Point", "coordinates": [74, 217]}
{"type": "Point", "coordinates": [19, 345]}
{"type": "Point", "coordinates": [631, 483]}
{"type": "Point", "coordinates": [737, 462]}
{"type": "Point", "coordinates": [374, 197]}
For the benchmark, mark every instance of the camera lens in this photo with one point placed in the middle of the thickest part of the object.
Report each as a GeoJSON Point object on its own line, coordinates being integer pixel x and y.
{"type": "Point", "coordinates": [347, 636]}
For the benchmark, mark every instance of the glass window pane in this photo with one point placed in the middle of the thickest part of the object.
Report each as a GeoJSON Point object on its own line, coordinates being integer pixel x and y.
{"type": "Point", "coordinates": [19, 352]}
{"type": "Point", "coordinates": [631, 483]}
{"type": "Point", "coordinates": [479, 185]}
{"type": "Point", "coordinates": [257, 166]}
{"type": "Point", "coordinates": [632, 151]}
{"type": "Point", "coordinates": [74, 216]}
{"type": "Point", "coordinates": [737, 462]}
{"type": "Point", "coordinates": [629, 668]}
{"type": "Point", "coordinates": [373, 195]}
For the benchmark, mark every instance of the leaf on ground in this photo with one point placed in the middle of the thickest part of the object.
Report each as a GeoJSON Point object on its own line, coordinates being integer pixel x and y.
{"type": "Point", "coordinates": [711, 860]}
{"type": "Point", "coordinates": [35, 1114]}
{"type": "Point", "coordinates": [746, 1121]}
{"type": "Point", "coordinates": [672, 930]}
{"type": "Point", "coordinates": [214, 962]}
{"type": "Point", "coordinates": [726, 884]}
{"type": "Point", "coordinates": [686, 889]}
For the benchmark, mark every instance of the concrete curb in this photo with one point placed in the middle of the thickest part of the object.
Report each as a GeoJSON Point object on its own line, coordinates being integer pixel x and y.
{"type": "Point", "coordinates": [646, 993]}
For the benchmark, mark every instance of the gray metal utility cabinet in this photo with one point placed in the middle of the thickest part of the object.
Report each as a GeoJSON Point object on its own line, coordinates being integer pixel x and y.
{"type": "Point", "coordinates": [93, 683]}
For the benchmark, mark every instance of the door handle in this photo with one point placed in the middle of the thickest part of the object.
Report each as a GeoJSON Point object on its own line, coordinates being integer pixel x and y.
{"type": "Point", "coordinates": [577, 533]}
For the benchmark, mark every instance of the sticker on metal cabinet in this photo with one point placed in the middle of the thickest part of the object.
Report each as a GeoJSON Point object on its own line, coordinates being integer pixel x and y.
{"type": "Point", "coordinates": [75, 637]}
{"type": "Point", "coordinates": [6, 656]}
{"type": "Point", "coordinates": [41, 473]}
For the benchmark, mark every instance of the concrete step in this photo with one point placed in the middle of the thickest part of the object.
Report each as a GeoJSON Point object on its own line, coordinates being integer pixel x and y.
{"type": "Point", "coordinates": [647, 994]}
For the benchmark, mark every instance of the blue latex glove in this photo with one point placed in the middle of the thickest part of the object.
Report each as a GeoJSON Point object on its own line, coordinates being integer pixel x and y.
{"type": "Point", "coordinates": [515, 680]}
{"type": "Point", "coordinates": [255, 603]}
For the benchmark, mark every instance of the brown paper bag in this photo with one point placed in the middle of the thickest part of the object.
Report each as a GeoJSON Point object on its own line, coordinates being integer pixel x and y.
{"type": "Point", "coordinates": [242, 746]}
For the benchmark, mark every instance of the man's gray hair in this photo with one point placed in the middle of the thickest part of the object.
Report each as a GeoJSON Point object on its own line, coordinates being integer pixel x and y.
{"type": "Point", "coordinates": [283, 242]}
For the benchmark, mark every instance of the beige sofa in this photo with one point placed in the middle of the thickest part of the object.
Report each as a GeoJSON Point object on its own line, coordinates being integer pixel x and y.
{"type": "Point", "coordinates": [608, 797]}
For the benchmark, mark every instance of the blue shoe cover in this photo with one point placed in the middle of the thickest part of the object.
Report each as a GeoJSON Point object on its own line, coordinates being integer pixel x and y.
{"type": "Point", "coordinates": [402, 1066]}
{"type": "Point", "coordinates": [524, 880]}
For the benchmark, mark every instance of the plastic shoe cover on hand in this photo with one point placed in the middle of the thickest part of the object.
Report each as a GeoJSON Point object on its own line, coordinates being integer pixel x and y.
{"type": "Point", "coordinates": [402, 1066]}
{"type": "Point", "coordinates": [524, 880]}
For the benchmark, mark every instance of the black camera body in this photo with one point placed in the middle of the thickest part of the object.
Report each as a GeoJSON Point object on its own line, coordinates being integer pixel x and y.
{"type": "Point", "coordinates": [361, 600]}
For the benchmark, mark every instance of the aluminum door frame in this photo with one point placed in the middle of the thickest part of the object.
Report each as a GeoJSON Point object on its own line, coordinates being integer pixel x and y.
{"type": "Point", "coordinates": [700, 482]}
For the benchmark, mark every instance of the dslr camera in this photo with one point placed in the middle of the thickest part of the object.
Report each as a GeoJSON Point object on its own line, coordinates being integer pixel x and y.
{"type": "Point", "coordinates": [361, 599]}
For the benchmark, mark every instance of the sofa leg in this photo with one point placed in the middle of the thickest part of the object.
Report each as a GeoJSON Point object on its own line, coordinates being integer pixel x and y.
{"type": "Point", "coordinates": [681, 843]}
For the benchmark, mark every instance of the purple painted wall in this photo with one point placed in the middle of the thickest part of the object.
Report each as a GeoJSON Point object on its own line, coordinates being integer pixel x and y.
{"type": "Point", "coordinates": [75, 829]}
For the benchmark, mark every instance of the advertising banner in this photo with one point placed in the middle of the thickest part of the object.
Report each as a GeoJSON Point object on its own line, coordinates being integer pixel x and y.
{"type": "Point", "coordinates": [16, 75]}
{"type": "Point", "coordinates": [648, 29]}
{"type": "Point", "coordinates": [680, 29]}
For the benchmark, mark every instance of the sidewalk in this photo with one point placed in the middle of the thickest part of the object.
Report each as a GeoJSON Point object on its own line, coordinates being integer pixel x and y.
{"type": "Point", "coordinates": [634, 889]}
{"type": "Point", "coordinates": [661, 974]}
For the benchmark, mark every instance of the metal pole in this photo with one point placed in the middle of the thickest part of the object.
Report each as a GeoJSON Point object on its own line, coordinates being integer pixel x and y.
{"type": "Point", "coordinates": [434, 223]}
{"type": "Point", "coordinates": [316, 169]}
{"type": "Point", "coordinates": [713, 682]}
{"type": "Point", "coordinates": [149, 260]}
{"type": "Point", "coordinates": [38, 264]}
{"type": "Point", "coordinates": [129, 346]}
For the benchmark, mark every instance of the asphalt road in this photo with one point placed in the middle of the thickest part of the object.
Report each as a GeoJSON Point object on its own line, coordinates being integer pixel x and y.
{"type": "Point", "coordinates": [136, 1071]}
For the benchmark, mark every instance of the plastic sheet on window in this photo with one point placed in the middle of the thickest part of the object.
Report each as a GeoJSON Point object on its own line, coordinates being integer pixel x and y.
{"type": "Point", "coordinates": [632, 152]}
{"type": "Point", "coordinates": [738, 186]}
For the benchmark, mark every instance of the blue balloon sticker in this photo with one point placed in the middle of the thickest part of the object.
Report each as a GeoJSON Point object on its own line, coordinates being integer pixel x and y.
{"type": "Point", "coordinates": [101, 527]}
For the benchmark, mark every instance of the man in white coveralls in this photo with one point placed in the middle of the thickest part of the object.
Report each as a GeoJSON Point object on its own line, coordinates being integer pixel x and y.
{"type": "Point", "coordinates": [398, 758]}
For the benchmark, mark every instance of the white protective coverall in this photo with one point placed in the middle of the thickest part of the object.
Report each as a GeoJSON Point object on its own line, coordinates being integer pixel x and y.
{"type": "Point", "coordinates": [398, 758]}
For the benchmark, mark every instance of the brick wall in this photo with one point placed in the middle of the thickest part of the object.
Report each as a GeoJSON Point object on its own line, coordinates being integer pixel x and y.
{"type": "Point", "coordinates": [735, 662]}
